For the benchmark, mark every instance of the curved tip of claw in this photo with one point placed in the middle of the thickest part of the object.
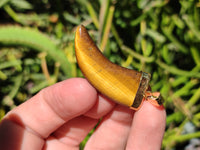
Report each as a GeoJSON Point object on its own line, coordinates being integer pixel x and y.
{"type": "Point", "coordinates": [82, 38]}
{"type": "Point", "coordinates": [80, 29]}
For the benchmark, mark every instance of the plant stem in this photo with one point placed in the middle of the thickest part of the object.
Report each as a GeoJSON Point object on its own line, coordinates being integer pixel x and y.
{"type": "Point", "coordinates": [107, 28]}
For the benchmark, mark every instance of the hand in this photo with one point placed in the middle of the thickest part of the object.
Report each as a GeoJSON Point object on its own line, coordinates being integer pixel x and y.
{"type": "Point", "coordinates": [60, 116]}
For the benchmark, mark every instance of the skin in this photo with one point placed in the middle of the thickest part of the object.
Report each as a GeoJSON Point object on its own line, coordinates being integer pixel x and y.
{"type": "Point", "coordinates": [61, 116]}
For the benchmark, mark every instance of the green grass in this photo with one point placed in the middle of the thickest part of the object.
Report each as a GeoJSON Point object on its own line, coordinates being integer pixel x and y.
{"type": "Point", "coordinates": [160, 37]}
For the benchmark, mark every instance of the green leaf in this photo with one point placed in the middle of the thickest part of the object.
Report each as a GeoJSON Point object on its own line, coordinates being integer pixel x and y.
{"type": "Point", "coordinates": [3, 2]}
{"type": "Point", "coordinates": [21, 4]}
{"type": "Point", "coordinates": [14, 35]}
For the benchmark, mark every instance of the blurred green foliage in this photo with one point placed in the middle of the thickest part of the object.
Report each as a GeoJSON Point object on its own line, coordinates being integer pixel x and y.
{"type": "Point", "coordinates": [161, 37]}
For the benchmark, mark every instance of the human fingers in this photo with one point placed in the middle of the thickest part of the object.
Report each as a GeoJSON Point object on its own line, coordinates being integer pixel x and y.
{"type": "Point", "coordinates": [113, 131]}
{"type": "Point", "coordinates": [71, 134]}
{"type": "Point", "coordinates": [74, 131]}
{"type": "Point", "coordinates": [147, 128]}
{"type": "Point", "coordinates": [102, 107]}
{"type": "Point", "coordinates": [37, 118]}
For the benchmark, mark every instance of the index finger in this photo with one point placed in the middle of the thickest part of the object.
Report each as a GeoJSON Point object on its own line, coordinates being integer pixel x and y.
{"type": "Point", "coordinates": [53, 106]}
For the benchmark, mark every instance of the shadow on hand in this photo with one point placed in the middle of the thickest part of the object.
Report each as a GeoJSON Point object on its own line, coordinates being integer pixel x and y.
{"type": "Point", "coordinates": [11, 133]}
